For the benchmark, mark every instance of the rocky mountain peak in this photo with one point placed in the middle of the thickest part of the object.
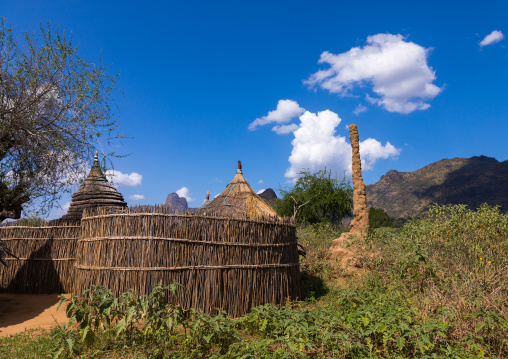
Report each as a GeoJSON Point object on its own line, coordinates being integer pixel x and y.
{"type": "Point", "coordinates": [471, 181]}
{"type": "Point", "coordinates": [176, 203]}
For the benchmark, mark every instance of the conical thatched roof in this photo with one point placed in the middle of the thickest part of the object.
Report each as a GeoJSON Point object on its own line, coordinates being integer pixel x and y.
{"type": "Point", "coordinates": [95, 191]}
{"type": "Point", "coordinates": [238, 199]}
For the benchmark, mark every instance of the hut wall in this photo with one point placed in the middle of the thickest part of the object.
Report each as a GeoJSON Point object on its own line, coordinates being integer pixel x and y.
{"type": "Point", "coordinates": [47, 259]}
{"type": "Point", "coordinates": [228, 263]}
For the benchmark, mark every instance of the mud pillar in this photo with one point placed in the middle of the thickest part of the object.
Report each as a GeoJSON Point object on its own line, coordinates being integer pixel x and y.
{"type": "Point", "coordinates": [360, 222]}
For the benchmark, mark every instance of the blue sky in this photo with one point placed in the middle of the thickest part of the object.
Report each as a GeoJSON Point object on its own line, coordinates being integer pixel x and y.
{"type": "Point", "coordinates": [421, 80]}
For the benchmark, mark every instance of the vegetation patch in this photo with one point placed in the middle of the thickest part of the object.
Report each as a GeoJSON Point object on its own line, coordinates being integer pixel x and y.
{"type": "Point", "coordinates": [437, 289]}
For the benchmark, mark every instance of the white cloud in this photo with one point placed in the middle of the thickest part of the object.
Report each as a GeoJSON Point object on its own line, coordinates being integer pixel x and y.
{"type": "Point", "coordinates": [119, 179]}
{"type": "Point", "coordinates": [372, 150]}
{"type": "Point", "coordinates": [136, 197]}
{"type": "Point", "coordinates": [184, 192]}
{"type": "Point", "coordinates": [316, 146]}
{"type": "Point", "coordinates": [61, 210]}
{"type": "Point", "coordinates": [359, 109]}
{"type": "Point", "coordinates": [285, 129]}
{"type": "Point", "coordinates": [286, 110]}
{"type": "Point", "coordinates": [260, 181]}
{"type": "Point", "coordinates": [261, 191]}
{"type": "Point", "coordinates": [492, 38]}
{"type": "Point", "coordinates": [396, 69]}
{"type": "Point", "coordinates": [66, 206]}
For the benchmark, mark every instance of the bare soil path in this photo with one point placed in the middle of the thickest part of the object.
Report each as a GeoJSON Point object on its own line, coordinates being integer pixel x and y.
{"type": "Point", "coordinates": [26, 311]}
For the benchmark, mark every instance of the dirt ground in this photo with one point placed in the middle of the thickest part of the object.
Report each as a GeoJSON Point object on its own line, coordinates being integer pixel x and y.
{"type": "Point", "coordinates": [25, 311]}
{"type": "Point", "coordinates": [349, 255]}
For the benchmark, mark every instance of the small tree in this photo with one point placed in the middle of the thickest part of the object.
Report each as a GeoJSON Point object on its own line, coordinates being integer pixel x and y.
{"type": "Point", "coordinates": [379, 218]}
{"type": "Point", "coordinates": [55, 109]}
{"type": "Point", "coordinates": [316, 197]}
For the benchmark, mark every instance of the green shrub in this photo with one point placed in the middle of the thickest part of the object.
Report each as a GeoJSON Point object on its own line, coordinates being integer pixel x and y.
{"type": "Point", "coordinates": [378, 218]}
{"type": "Point", "coordinates": [437, 289]}
{"type": "Point", "coordinates": [109, 322]}
{"type": "Point", "coordinates": [455, 259]}
{"type": "Point", "coordinates": [31, 221]}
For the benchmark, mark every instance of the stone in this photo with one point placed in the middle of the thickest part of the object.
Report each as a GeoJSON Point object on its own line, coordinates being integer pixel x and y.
{"type": "Point", "coordinates": [176, 203]}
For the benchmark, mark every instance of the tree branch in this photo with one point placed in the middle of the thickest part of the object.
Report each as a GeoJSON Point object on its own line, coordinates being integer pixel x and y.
{"type": "Point", "coordinates": [297, 207]}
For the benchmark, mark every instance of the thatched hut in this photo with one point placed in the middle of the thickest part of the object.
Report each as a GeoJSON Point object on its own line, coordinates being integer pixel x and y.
{"type": "Point", "coordinates": [95, 191]}
{"type": "Point", "coordinates": [238, 199]}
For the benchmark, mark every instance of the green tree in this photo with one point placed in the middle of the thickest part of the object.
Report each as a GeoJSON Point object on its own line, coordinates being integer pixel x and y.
{"type": "Point", "coordinates": [55, 110]}
{"type": "Point", "coordinates": [316, 197]}
{"type": "Point", "coordinates": [379, 218]}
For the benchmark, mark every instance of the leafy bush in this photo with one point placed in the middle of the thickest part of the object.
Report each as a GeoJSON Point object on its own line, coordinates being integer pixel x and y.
{"type": "Point", "coordinates": [117, 321]}
{"type": "Point", "coordinates": [378, 218]}
{"type": "Point", "coordinates": [315, 268]}
{"type": "Point", "coordinates": [454, 261]}
{"type": "Point", "coordinates": [30, 221]}
{"type": "Point", "coordinates": [316, 197]}
{"type": "Point", "coordinates": [437, 289]}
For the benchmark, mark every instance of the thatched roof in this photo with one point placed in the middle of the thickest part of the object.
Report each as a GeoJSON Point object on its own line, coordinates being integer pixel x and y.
{"type": "Point", "coordinates": [95, 191]}
{"type": "Point", "coordinates": [238, 199]}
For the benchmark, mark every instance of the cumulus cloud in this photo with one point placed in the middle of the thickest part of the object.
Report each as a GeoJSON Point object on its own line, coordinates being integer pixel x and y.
{"type": "Point", "coordinates": [284, 130]}
{"type": "Point", "coordinates": [359, 109]}
{"type": "Point", "coordinates": [136, 197]}
{"type": "Point", "coordinates": [119, 179]}
{"type": "Point", "coordinates": [492, 38]}
{"type": "Point", "coordinates": [184, 192]}
{"type": "Point", "coordinates": [261, 191]}
{"type": "Point", "coordinates": [372, 150]}
{"type": "Point", "coordinates": [396, 69]}
{"type": "Point", "coordinates": [317, 146]}
{"type": "Point", "coordinates": [286, 110]}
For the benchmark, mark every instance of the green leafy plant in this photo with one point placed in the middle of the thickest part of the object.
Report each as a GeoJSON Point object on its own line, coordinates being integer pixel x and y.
{"type": "Point", "coordinates": [117, 320]}
{"type": "Point", "coordinates": [316, 197]}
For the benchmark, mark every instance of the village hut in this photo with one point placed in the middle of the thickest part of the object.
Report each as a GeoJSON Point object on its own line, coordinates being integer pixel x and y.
{"type": "Point", "coordinates": [95, 191]}
{"type": "Point", "coordinates": [238, 199]}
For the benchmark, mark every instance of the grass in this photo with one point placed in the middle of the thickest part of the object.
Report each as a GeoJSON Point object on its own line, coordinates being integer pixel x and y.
{"type": "Point", "coordinates": [437, 289]}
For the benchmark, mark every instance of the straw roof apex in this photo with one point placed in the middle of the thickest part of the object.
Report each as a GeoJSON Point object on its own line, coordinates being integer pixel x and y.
{"type": "Point", "coordinates": [239, 198]}
{"type": "Point", "coordinates": [95, 191]}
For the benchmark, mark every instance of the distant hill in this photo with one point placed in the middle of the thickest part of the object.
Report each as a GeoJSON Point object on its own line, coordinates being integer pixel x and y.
{"type": "Point", "coordinates": [176, 203]}
{"type": "Point", "coordinates": [269, 196]}
{"type": "Point", "coordinates": [471, 181]}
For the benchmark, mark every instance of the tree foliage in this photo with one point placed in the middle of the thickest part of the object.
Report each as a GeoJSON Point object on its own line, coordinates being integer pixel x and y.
{"type": "Point", "coordinates": [379, 218]}
{"type": "Point", "coordinates": [55, 110]}
{"type": "Point", "coordinates": [316, 197]}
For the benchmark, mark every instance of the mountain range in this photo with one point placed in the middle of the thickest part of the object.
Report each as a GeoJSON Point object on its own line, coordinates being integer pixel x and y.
{"type": "Point", "coordinates": [179, 204]}
{"type": "Point", "coordinates": [471, 181]}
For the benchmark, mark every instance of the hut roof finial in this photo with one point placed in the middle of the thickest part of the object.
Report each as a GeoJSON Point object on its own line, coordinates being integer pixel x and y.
{"type": "Point", "coordinates": [207, 195]}
{"type": "Point", "coordinates": [239, 170]}
{"type": "Point", "coordinates": [96, 155]}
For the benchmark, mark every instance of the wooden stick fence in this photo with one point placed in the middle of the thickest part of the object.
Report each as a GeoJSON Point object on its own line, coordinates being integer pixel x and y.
{"type": "Point", "coordinates": [227, 263]}
{"type": "Point", "coordinates": [46, 258]}
{"type": "Point", "coordinates": [222, 262]}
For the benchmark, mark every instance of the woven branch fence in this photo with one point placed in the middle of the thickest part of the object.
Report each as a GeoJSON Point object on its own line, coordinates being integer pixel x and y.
{"type": "Point", "coordinates": [46, 258]}
{"type": "Point", "coordinates": [229, 263]}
